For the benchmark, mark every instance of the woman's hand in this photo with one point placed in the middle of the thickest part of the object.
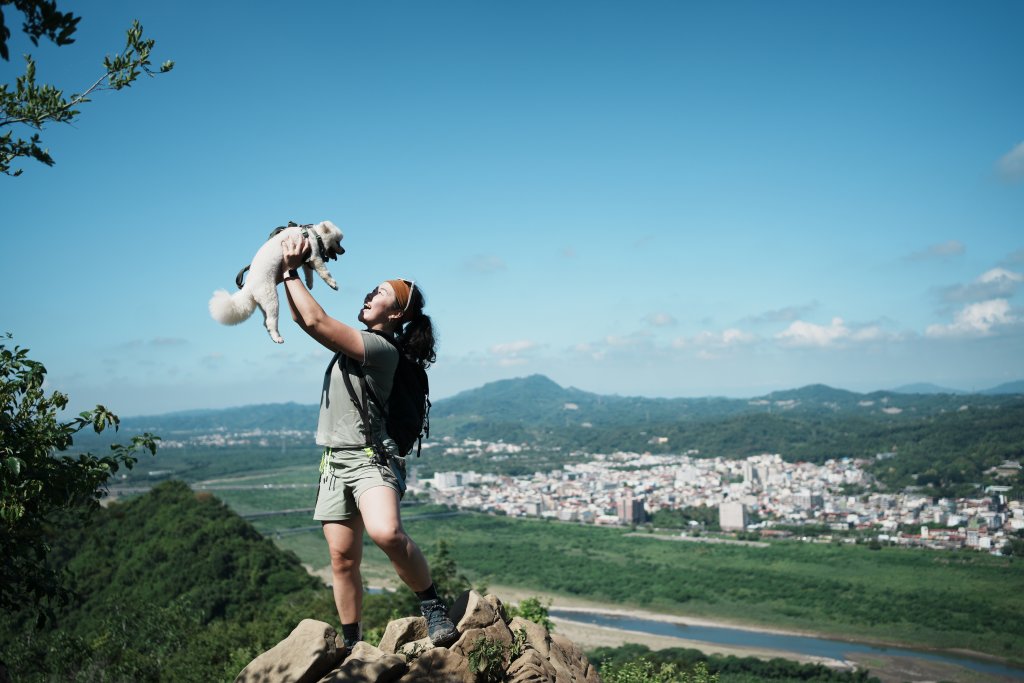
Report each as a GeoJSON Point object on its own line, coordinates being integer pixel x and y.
{"type": "Point", "coordinates": [294, 251]}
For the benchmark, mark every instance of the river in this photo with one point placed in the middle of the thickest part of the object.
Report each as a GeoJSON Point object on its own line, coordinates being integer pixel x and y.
{"type": "Point", "coordinates": [785, 643]}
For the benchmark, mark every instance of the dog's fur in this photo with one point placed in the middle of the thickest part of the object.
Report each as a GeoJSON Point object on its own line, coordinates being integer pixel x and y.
{"type": "Point", "coordinates": [260, 288]}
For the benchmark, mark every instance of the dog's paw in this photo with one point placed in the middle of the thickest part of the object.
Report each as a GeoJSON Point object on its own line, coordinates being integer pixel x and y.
{"type": "Point", "coordinates": [331, 283]}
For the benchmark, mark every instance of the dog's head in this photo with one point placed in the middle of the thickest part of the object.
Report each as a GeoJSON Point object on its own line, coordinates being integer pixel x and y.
{"type": "Point", "coordinates": [331, 236]}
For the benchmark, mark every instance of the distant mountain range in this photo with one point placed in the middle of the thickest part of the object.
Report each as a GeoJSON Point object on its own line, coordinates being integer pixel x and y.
{"type": "Point", "coordinates": [944, 439]}
{"type": "Point", "coordinates": [535, 408]}
{"type": "Point", "coordinates": [925, 388]}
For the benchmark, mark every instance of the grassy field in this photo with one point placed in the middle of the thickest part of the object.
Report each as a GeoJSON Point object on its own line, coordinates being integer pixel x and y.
{"type": "Point", "coordinates": [255, 500]}
{"type": "Point", "coordinates": [926, 598]}
{"type": "Point", "coordinates": [943, 599]}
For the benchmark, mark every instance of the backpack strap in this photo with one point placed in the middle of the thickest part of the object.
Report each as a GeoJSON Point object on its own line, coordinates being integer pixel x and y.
{"type": "Point", "coordinates": [373, 442]}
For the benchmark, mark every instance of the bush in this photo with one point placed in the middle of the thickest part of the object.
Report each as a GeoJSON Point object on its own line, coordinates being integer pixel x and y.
{"type": "Point", "coordinates": [643, 671]}
{"type": "Point", "coordinates": [532, 609]}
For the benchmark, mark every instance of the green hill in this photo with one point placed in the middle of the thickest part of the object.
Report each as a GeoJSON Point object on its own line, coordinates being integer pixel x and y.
{"type": "Point", "coordinates": [169, 586]}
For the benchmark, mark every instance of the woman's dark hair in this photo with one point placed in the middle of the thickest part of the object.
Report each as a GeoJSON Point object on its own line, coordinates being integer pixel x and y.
{"type": "Point", "coordinates": [416, 338]}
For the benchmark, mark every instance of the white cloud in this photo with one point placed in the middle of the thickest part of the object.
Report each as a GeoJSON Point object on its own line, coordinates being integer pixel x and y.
{"type": "Point", "coordinates": [705, 340]}
{"type": "Point", "coordinates": [732, 336]}
{"type": "Point", "coordinates": [943, 250]}
{"type": "Point", "coordinates": [976, 320]}
{"type": "Point", "coordinates": [513, 353]}
{"type": "Point", "coordinates": [660, 320]}
{"type": "Point", "coordinates": [801, 333]}
{"type": "Point", "coordinates": [1011, 165]}
{"type": "Point", "coordinates": [992, 284]}
{"type": "Point", "coordinates": [787, 314]}
{"type": "Point", "coordinates": [590, 351]}
{"type": "Point", "coordinates": [627, 341]}
{"type": "Point", "coordinates": [868, 333]}
{"type": "Point", "coordinates": [1000, 275]}
{"type": "Point", "coordinates": [512, 348]}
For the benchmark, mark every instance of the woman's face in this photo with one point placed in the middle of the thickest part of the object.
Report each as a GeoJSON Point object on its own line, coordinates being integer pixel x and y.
{"type": "Point", "coordinates": [379, 306]}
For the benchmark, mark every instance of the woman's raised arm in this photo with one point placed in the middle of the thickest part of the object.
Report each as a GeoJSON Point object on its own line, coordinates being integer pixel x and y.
{"type": "Point", "coordinates": [310, 316]}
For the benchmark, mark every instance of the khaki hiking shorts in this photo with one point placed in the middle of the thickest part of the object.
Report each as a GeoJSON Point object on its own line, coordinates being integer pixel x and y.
{"type": "Point", "coordinates": [346, 474]}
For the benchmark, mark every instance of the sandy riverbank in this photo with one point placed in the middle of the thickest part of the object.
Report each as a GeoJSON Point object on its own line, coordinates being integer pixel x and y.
{"type": "Point", "coordinates": [590, 636]}
{"type": "Point", "coordinates": [888, 669]}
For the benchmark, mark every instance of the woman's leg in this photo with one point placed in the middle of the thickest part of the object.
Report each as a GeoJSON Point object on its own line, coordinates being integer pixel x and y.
{"type": "Point", "coordinates": [345, 543]}
{"type": "Point", "coordinates": [379, 509]}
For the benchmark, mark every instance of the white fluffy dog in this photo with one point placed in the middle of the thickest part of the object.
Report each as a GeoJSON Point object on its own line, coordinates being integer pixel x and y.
{"type": "Point", "coordinates": [260, 288]}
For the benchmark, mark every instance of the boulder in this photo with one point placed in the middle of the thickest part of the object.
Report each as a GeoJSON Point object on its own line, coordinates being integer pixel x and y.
{"type": "Point", "coordinates": [531, 667]}
{"type": "Point", "coordinates": [569, 662]}
{"type": "Point", "coordinates": [497, 606]}
{"type": "Point", "coordinates": [471, 610]}
{"type": "Point", "coordinates": [402, 631]}
{"type": "Point", "coordinates": [537, 636]}
{"type": "Point", "coordinates": [312, 652]}
{"type": "Point", "coordinates": [469, 640]}
{"type": "Point", "coordinates": [368, 664]}
{"type": "Point", "coordinates": [439, 665]}
{"type": "Point", "coordinates": [414, 649]}
{"type": "Point", "coordinates": [309, 652]}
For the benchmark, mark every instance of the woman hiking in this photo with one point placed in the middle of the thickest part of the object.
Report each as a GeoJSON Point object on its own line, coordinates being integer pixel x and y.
{"type": "Point", "coordinates": [361, 486]}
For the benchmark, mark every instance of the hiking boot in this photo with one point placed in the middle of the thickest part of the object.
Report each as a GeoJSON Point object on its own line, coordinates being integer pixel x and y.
{"type": "Point", "coordinates": [440, 628]}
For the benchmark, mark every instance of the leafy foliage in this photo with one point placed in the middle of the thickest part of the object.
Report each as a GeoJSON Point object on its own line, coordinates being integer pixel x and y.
{"type": "Point", "coordinates": [643, 671]}
{"type": "Point", "coordinates": [706, 517]}
{"type": "Point", "coordinates": [633, 662]}
{"type": "Point", "coordinates": [33, 105]}
{"type": "Point", "coordinates": [42, 488]}
{"type": "Point", "coordinates": [169, 586]}
{"type": "Point", "coordinates": [535, 610]}
{"type": "Point", "coordinates": [488, 659]}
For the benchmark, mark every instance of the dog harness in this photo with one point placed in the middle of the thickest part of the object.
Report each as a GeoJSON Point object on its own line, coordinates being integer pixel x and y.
{"type": "Point", "coordinates": [307, 234]}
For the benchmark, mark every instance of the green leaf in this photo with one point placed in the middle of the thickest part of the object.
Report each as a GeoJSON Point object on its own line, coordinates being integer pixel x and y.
{"type": "Point", "coordinates": [14, 465]}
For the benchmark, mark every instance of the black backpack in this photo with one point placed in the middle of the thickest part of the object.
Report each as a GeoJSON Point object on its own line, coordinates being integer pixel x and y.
{"type": "Point", "coordinates": [407, 413]}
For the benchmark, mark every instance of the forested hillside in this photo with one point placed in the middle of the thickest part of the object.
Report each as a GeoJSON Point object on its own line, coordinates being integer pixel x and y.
{"type": "Point", "coordinates": [169, 586]}
{"type": "Point", "coordinates": [174, 586]}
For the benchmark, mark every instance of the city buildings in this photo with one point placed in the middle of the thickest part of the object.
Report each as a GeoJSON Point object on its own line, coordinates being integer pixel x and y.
{"type": "Point", "coordinates": [626, 488]}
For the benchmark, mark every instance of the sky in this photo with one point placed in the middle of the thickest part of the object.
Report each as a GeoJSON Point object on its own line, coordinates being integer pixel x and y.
{"type": "Point", "coordinates": [664, 199]}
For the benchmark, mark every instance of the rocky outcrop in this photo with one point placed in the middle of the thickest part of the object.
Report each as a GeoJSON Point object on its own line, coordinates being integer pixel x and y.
{"type": "Point", "coordinates": [491, 647]}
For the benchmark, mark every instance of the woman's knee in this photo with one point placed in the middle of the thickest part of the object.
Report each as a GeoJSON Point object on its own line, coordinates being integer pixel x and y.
{"type": "Point", "coordinates": [344, 561]}
{"type": "Point", "coordinates": [389, 537]}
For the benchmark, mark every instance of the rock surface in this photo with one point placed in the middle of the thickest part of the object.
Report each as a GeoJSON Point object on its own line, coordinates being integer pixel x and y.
{"type": "Point", "coordinates": [490, 647]}
{"type": "Point", "coordinates": [311, 650]}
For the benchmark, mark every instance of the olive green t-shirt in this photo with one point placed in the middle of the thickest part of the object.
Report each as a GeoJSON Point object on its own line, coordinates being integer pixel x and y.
{"type": "Point", "coordinates": [340, 425]}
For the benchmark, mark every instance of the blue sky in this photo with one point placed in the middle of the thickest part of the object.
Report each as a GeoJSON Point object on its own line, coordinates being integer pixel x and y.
{"type": "Point", "coordinates": [649, 198]}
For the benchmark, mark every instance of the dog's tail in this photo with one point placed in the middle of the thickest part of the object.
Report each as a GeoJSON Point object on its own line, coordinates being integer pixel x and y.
{"type": "Point", "coordinates": [231, 309]}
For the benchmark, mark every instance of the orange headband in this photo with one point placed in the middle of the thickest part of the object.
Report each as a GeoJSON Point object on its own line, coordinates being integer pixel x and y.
{"type": "Point", "coordinates": [402, 293]}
